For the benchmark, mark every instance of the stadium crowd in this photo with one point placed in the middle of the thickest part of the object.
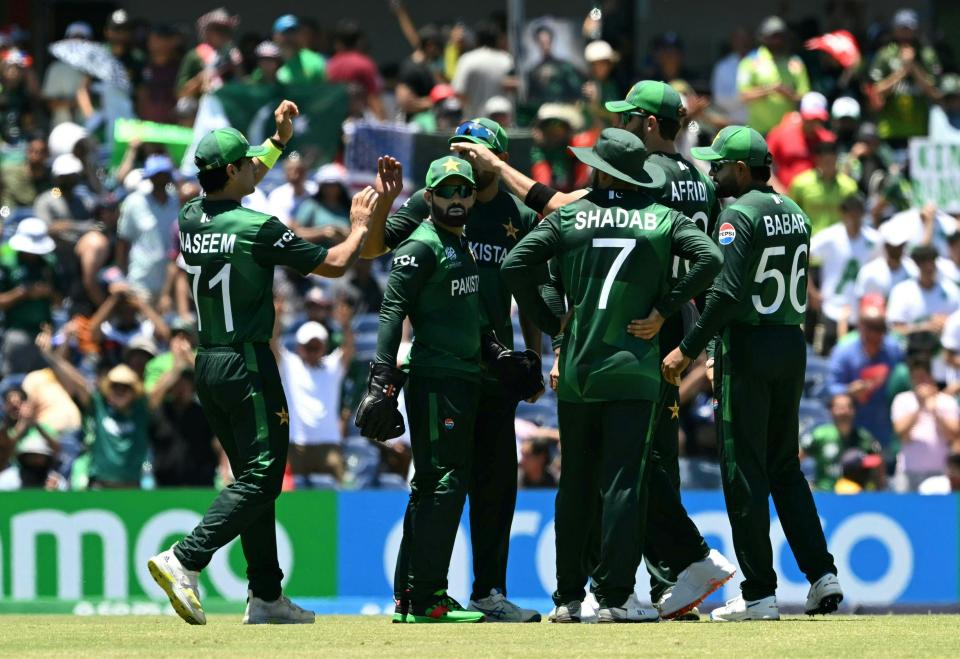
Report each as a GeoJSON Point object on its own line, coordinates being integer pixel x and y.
{"type": "Point", "coordinates": [98, 325]}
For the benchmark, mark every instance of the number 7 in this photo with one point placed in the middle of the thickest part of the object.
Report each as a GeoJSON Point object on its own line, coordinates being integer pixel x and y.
{"type": "Point", "coordinates": [626, 246]}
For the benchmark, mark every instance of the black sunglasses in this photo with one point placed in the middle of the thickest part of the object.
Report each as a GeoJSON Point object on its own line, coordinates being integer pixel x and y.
{"type": "Point", "coordinates": [717, 164]}
{"type": "Point", "coordinates": [463, 191]}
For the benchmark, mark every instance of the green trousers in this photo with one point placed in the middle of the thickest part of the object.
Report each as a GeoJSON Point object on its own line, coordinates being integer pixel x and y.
{"type": "Point", "coordinates": [672, 540]}
{"type": "Point", "coordinates": [241, 394]}
{"type": "Point", "coordinates": [441, 414]}
{"type": "Point", "coordinates": [760, 376]}
{"type": "Point", "coordinates": [604, 448]}
{"type": "Point", "coordinates": [492, 491]}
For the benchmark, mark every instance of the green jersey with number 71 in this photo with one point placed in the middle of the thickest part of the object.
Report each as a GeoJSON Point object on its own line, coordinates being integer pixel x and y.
{"type": "Point", "coordinates": [231, 252]}
{"type": "Point", "coordinates": [765, 240]}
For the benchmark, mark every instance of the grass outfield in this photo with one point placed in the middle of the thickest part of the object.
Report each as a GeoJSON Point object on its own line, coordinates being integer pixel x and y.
{"type": "Point", "coordinates": [341, 636]}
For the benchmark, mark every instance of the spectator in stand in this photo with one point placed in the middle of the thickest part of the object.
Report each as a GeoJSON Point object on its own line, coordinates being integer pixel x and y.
{"type": "Point", "coordinates": [945, 484]}
{"type": "Point", "coordinates": [156, 98]}
{"type": "Point", "coordinates": [183, 347]}
{"type": "Point", "coordinates": [419, 74]}
{"type": "Point", "coordinates": [551, 80]}
{"type": "Point", "coordinates": [123, 317]}
{"type": "Point", "coordinates": [944, 119]}
{"type": "Point", "coordinates": [771, 79]}
{"type": "Point", "coordinates": [117, 419]}
{"type": "Point", "coordinates": [95, 250]}
{"type": "Point", "coordinates": [927, 421]}
{"type": "Point", "coordinates": [65, 206]}
{"type": "Point", "coordinates": [138, 353]}
{"type": "Point", "coordinates": [145, 229]}
{"type": "Point", "coordinates": [55, 409]}
{"type": "Point", "coordinates": [862, 472]}
{"type": "Point", "coordinates": [600, 87]}
{"type": "Point", "coordinates": [862, 368]}
{"type": "Point", "coordinates": [28, 291]}
{"type": "Point", "coordinates": [792, 141]}
{"type": "Point", "coordinates": [185, 451]}
{"type": "Point", "coordinates": [9, 474]}
{"type": "Point", "coordinates": [880, 275]}
{"type": "Point", "coordinates": [214, 60]}
{"type": "Point", "coordinates": [666, 59]}
{"type": "Point", "coordinates": [301, 66]}
{"type": "Point", "coordinates": [285, 200]}
{"type": "Point", "coordinates": [350, 65]}
{"type": "Point", "coordinates": [949, 266]}
{"type": "Point", "coordinates": [482, 72]}
{"type": "Point", "coordinates": [319, 308]}
{"type": "Point", "coordinates": [922, 304]}
{"type": "Point", "coordinates": [927, 225]}
{"type": "Point", "coordinates": [324, 217]}
{"type": "Point", "coordinates": [62, 82]}
{"type": "Point", "coordinates": [829, 441]}
{"type": "Point", "coordinates": [359, 288]}
{"type": "Point", "coordinates": [499, 109]}
{"type": "Point", "coordinates": [552, 163]}
{"type": "Point", "coordinates": [904, 74]}
{"type": "Point", "coordinates": [20, 103]}
{"type": "Point", "coordinates": [822, 190]}
{"type": "Point", "coordinates": [723, 80]}
{"type": "Point", "coordinates": [23, 182]}
{"type": "Point", "coordinates": [838, 253]}
{"type": "Point", "coordinates": [312, 381]}
{"type": "Point", "coordinates": [35, 444]}
{"type": "Point", "coordinates": [269, 61]}
{"type": "Point", "coordinates": [118, 34]}
{"type": "Point", "coordinates": [845, 122]}
{"type": "Point", "coordinates": [534, 460]}
{"type": "Point", "coordinates": [868, 157]}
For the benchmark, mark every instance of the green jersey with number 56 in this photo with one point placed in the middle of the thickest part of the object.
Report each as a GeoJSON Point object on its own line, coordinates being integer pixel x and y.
{"type": "Point", "coordinates": [231, 252]}
{"type": "Point", "coordinates": [765, 239]}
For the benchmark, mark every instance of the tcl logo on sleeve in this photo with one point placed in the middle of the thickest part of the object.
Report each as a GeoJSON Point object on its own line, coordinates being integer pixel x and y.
{"type": "Point", "coordinates": [727, 233]}
{"type": "Point", "coordinates": [405, 260]}
{"type": "Point", "coordinates": [285, 238]}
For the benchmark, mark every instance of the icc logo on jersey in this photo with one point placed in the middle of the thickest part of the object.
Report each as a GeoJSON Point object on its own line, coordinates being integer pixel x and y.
{"type": "Point", "coordinates": [727, 233]}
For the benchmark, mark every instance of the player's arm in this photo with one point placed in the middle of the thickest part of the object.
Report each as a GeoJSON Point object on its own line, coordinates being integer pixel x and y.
{"type": "Point", "coordinates": [388, 232]}
{"type": "Point", "coordinates": [536, 248]}
{"type": "Point", "coordinates": [283, 115]}
{"type": "Point", "coordinates": [541, 198]}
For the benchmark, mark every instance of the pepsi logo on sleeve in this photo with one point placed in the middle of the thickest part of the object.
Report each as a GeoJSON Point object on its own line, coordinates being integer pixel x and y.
{"type": "Point", "coordinates": [727, 233]}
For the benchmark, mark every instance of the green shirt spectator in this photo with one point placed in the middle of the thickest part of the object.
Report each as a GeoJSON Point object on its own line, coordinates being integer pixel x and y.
{"type": "Point", "coordinates": [827, 442]}
{"type": "Point", "coordinates": [820, 197]}
{"type": "Point", "coordinates": [305, 66]}
{"type": "Point", "coordinates": [117, 436]}
{"type": "Point", "coordinates": [27, 277]}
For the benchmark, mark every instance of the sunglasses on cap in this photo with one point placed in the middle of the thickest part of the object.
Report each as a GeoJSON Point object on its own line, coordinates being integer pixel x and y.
{"type": "Point", "coordinates": [450, 191]}
{"type": "Point", "coordinates": [473, 129]}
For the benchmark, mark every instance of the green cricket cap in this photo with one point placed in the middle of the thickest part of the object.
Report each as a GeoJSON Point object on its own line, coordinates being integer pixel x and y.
{"type": "Point", "coordinates": [736, 143]}
{"type": "Point", "coordinates": [223, 146]}
{"type": "Point", "coordinates": [622, 155]}
{"type": "Point", "coordinates": [652, 96]}
{"type": "Point", "coordinates": [448, 167]}
{"type": "Point", "coordinates": [483, 131]}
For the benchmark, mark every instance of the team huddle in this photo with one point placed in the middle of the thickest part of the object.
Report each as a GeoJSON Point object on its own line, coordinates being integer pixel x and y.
{"type": "Point", "coordinates": [633, 278]}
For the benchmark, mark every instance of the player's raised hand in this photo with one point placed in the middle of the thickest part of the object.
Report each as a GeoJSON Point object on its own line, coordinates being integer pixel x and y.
{"type": "Point", "coordinates": [647, 328]}
{"type": "Point", "coordinates": [482, 158]}
{"type": "Point", "coordinates": [673, 366]}
{"type": "Point", "coordinates": [284, 115]}
{"type": "Point", "coordinates": [389, 182]}
{"type": "Point", "coordinates": [361, 208]}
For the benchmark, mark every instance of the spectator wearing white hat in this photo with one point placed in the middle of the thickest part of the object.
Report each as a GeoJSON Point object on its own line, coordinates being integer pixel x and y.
{"type": "Point", "coordinates": [65, 208]}
{"type": "Point", "coordinates": [312, 381]}
{"type": "Point", "coordinates": [285, 200]}
{"type": "Point", "coordinates": [600, 87]}
{"type": "Point", "coordinates": [145, 231]}
{"type": "Point", "coordinates": [890, 268]}
{"type": "Point", "coordinates": [62, 81]}
{"type": "Point", "coordinates": [28, 290]}
{"type": "Point", "coordinates": [944, 119]}
{"type": "Point", "coordinates": [845, 121]}
{"type": "Point", "coordinates": [324, 217]}
{"type": "Point", "coordinates": [791, 142]}
{"type": "Point", "coordinates": [269, 60]}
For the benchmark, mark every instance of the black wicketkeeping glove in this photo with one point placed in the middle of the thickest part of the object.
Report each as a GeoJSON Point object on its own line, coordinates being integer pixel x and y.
{"type": "Point", "coordinates": [519, 372]}
{"type": "Point", "coordinates": [377, 416]}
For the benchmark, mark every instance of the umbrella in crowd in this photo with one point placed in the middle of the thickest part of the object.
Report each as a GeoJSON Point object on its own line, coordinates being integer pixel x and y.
{"type": "Point", "coordinates": [93, 59]}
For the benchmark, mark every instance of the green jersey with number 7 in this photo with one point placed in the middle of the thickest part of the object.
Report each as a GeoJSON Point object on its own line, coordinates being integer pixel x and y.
{"type": "Point", "coordinates": [231, 252]}
{"type": "Point", "coordinates": [765, 239]}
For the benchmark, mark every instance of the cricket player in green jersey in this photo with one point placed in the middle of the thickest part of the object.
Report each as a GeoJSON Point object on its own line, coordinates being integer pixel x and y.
{"type": "Point", "coordinates": [683, 569]}
{"type": "Point", "coordinates": [757, 307]}
{"type": "Point", "coordinates": [230, 255]}
{"type": "Point", "coordinates": [435, 282]}
{"type": "Point", "coordinates": [614, 248]}
{"type": "Point", "coordinates": [497, 221]}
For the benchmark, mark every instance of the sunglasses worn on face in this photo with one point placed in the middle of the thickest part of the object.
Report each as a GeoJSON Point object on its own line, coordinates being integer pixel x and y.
{"type": "Point", "coordinates": [450, 191]}
{"type": "Point", "coordinates": [717, 165]}
{"type": "Point", "coordinates": [473, 129]}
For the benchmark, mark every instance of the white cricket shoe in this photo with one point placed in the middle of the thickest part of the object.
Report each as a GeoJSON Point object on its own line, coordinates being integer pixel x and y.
{"type": "Point", "coordinates": [739, 610]}
{"type": "Point", "coordinates": [589, 608]}
{"type": "Point", "coordinates": [825, 595]}
{"type": "Point", "coordinates": [629, 611]}
{"type": "Point", "coordinates": [280, 611]}
{"type": "Point", "coordinates": [497, 608]}
{"type": "Point", "coordinates": [569, 612]}
{"type": "Point", "coordinates": [695, 584]}
{"type": "Point", "coordinates": [180, 585]}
